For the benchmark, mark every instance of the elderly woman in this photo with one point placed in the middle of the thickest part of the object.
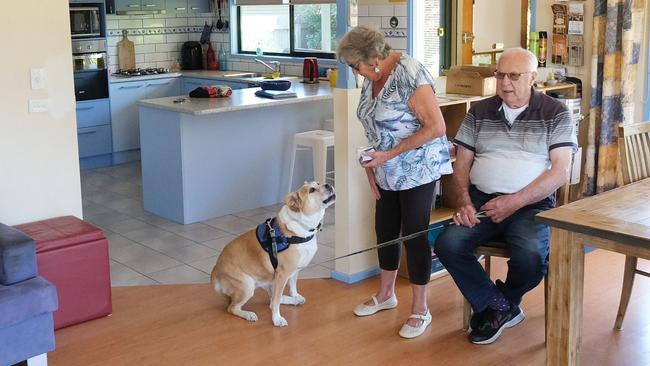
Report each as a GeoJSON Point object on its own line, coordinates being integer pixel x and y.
{"type": "Point", "coordinates": [404, 125]}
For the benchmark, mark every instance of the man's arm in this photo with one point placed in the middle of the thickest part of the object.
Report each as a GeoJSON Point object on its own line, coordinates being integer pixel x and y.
{"type": "Point", "coordinates": [499, 208]}
{"type": "Point", "coordinates": [465, 213]}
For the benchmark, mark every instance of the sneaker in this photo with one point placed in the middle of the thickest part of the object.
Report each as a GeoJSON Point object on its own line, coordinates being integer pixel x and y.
{"type": "Point", "coordinates": [476, 319]}
{"type": "Point", "coordinates": [493, 323]}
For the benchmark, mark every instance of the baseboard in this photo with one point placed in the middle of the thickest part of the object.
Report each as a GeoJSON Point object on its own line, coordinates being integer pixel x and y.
{"type": "Point", "coordinates": [122, 157]}
{"type": "Point", "coordinates": [355, 277]}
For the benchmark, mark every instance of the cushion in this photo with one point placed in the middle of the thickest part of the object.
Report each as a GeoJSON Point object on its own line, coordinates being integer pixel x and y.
{"type": "Point", "coordinates": [25, 300]}
{"type": "Point", "coordinates": [17, 256]}
{"type": "Point", "coordinates": [60, 232]}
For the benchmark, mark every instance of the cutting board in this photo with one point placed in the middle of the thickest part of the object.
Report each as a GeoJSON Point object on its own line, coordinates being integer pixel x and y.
{"type": "Point", "coordinates": [126, 52]}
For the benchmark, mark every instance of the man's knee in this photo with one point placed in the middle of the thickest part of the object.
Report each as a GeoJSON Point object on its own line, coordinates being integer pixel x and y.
{"type": "Point", "coordinates": [529, 263]}
{"type": "Point", "coordinates": [449, 243]}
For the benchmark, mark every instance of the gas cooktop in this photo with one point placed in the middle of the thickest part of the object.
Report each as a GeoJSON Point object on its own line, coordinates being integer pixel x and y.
{"type": "Point", "coordinates": [140, 72]}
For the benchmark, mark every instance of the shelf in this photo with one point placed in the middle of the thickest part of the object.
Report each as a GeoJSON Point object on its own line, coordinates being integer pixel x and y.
{"type": "Point", "coordinates": [440, 214]}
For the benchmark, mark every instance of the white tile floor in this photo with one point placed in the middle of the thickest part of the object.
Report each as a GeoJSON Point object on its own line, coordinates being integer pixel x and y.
{"type": "Point", "coordinates": [146, 249]}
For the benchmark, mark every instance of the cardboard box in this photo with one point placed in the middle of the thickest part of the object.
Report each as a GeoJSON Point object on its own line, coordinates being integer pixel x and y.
{"type": "Point", "coordinates": [472, 80]}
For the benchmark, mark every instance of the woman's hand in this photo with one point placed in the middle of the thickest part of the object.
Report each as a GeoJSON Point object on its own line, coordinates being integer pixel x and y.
{"type": "Point", "coordinates": [373, 182]}
{"type": "Point", "coordinates": [466, 216]}
{"type": "Point", "coordinates": [378, 158]}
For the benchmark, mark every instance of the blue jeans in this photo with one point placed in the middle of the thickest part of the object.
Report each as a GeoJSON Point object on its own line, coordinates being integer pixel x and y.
{"type": "Point", "coordinates": [526, 240]}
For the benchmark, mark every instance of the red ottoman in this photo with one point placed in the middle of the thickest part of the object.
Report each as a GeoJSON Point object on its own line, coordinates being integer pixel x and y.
{"type": "Point", "coordinates": [73, 255]}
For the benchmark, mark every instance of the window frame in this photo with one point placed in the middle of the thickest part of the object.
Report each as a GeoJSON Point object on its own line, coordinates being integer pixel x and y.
{"type": "Point", "coordinates": [292, 52]}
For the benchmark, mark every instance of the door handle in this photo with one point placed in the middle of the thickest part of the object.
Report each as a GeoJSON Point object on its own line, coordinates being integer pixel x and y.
{"type": "Point", "coordinates": [84, 108]}
{"type": "Point", "coordinates": [87, 132]}
{"type": "Point", "coordinates": [467, 37]}
{"type": "Point", "coordinates": [130, 87]}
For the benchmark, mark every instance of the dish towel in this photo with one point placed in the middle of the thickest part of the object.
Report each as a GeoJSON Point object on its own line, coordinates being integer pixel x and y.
{"type": "Point", "coordinates": [214, 91]}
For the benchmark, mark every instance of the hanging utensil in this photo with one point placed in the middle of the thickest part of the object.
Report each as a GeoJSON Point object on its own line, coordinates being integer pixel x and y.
{"type": "Point", "coordinates": [226, 23]}
{"type": "Point", "coordinates": [219, 22]}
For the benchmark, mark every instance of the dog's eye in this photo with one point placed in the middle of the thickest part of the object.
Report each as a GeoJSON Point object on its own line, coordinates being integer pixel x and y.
{"type": "Point", "coordinates": [312, 190]}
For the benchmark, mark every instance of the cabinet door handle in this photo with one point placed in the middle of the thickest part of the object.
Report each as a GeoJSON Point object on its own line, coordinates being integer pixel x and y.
{"type": "Point", "coordinates": [181, 8]}
{"type": "Point", "coordinates": [165, 83]}
{"type": "Point", "coordinates": [149, 5]}
{"type": "Point", "coordinates": [195, 8]}
{"type": "Point", "coordinates": [84, 108]}
{"type": "Point", "coordinates": [130, 87]}
{"type": "Point", "coordinates": [134, 5]}
{"type": "Point", "coordinates": [87, 133]}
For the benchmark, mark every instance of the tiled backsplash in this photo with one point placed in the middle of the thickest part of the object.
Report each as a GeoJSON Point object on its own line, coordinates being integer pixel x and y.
{"type": "Point", "coordinates": [158, 38]}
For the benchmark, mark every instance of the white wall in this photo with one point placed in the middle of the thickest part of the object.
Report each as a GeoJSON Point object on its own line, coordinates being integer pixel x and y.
{"type": "Point", "coordinates": [39, 166]}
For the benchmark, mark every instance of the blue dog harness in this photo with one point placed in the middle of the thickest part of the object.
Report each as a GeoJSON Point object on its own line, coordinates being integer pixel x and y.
{"type": "Point", "coordinates": [272, 239]}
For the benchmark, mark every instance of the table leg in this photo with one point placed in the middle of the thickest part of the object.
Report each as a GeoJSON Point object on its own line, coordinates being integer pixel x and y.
{"type": "Point", "coordinates": [566, 280]}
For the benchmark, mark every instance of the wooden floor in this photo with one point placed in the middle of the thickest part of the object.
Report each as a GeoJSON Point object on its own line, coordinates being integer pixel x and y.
{"type": "Point", "coordinates": [187, 325]}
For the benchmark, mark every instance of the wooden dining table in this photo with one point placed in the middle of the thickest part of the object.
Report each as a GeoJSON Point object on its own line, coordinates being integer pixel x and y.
{"type": "Point", "coordinates": [618, 221]}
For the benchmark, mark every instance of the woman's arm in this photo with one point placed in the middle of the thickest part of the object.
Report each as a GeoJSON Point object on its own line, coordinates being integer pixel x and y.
{"type": "Point", "coordinates": [424, 104]}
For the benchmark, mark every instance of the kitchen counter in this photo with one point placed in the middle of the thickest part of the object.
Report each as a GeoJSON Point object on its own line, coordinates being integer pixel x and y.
{"type": "Point", "coordinates": [239, 100]}
{"type": "Point", "coordinates": [209, 157]}
{"type": "Point", "coordinates": [201, 74]}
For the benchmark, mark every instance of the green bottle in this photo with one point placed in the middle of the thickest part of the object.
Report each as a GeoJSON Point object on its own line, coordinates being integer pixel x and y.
{"type": "Point", "coordinates": [222, 58]}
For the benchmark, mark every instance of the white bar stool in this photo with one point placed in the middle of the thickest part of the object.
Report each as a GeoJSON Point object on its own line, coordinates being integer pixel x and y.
{"type": "Point", "coordinates": [318, 141]}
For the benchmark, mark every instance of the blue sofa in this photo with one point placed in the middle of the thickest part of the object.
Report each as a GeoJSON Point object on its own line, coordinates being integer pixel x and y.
{"type": "Point", "coordinates": [26, 300]}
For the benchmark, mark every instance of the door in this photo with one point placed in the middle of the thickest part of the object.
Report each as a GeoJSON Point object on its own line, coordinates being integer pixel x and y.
{"type": "Point", "coordinates": [479, 34]}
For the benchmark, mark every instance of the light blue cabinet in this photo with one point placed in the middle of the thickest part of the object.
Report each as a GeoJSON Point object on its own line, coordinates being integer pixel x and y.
{"type": "Point", "coordinates": [198, 6]}
{"type": "Point", "coordinates": [124, 108]}
{"type": "Point", "coordinates": [94, 133]}
{"type": "Point", "coordinates": [180, 7]}
{"type": "Point", "coordinates": [190, 84]}
{"type": "Point", "coordinates": [139, 5]}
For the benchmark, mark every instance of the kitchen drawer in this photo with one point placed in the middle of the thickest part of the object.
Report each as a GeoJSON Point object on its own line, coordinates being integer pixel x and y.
{"type": "Point", "coordinates": [93, 113]}
{"type": "Point", "coordinates": [94, 140]}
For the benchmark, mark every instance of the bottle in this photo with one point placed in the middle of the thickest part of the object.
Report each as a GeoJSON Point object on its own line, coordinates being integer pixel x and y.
{"type": "Point", "coordinates": [222, 58]}
{"type": "Point", "coordinates": [176, 66]}
{"type": "Point", "coordinates": [211, 59]}
{"type": "Point", "coordinates": [541, 54]}
{"type": "Point", "coordinates": [258, 51]}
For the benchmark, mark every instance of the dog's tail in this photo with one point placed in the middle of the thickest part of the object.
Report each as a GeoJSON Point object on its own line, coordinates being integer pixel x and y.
{"type": "Point", "coordinates": [216, 284]}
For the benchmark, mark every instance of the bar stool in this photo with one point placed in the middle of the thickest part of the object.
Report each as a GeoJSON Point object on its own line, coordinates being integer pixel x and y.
{"type": "Point", "coordinates": [319, 141]}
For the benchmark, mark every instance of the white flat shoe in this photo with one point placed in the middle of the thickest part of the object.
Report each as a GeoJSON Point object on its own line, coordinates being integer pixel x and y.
{"type": "Point", "coordinates": [409, 331]}
{"type": "Point", "coordinates": [365, 310]}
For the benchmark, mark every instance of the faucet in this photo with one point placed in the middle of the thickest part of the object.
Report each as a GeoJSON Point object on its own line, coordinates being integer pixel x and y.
{"type": "Point", "coordinates": [275, 68]}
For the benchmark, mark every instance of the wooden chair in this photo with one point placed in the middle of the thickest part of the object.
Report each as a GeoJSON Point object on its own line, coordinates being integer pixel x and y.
{"type": "Point", "coordinates": [634, 163]}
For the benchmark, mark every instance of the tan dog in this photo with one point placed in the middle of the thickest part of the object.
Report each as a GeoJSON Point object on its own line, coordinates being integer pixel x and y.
{"type": "Point", "coordinates": [244, 265]}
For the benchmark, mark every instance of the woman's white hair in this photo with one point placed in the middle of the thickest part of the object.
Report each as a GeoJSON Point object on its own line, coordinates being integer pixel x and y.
{"type": "Point", "coordinates": [532, 59]}
{"type": "Point", "coordinates": [362, 44]}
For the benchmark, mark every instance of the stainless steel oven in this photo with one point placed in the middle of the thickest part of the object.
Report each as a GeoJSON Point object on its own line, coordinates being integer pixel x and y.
{"type": "Point", "coordinates": [86, 21]}
{"type": "Point", "coordinates": [90, 72]}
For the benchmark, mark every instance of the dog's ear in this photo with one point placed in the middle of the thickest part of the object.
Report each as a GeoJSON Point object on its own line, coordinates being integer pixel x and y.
{"type": "Point", "coordinates": [293, 201]}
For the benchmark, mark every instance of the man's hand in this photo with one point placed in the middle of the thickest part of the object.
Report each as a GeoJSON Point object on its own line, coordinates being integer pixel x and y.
{"type": "Point", "coordinates": [500, 207]}
{"type": "Point", "coordinates": [466, 216]}
{"type": "Point", "coordinates": [373, 182]}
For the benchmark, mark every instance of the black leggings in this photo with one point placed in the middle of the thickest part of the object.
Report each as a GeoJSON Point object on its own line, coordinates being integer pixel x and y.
{"type": "Point", "coordinates": [408, 210]}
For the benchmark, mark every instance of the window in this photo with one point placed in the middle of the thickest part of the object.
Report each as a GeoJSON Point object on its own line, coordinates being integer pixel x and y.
{"type": "Point", "coordinates": [288, 30]}
{"type": "Point", "coordinates": [431, 34]}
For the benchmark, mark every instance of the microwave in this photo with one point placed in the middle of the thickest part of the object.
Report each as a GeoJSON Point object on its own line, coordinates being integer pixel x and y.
{"type": "Point", "coordinates": [86, 21]}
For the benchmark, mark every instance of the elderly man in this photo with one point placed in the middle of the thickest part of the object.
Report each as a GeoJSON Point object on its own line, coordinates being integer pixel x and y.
{"type": "Point", "coordinates": [514, 152]}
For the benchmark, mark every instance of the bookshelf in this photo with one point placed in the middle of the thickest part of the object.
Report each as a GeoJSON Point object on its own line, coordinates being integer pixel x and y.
{"type": "Point", "coordinates": [453, 107]}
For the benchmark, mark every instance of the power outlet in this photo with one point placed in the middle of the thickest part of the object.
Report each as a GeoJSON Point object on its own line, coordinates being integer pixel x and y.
{"type": "Point", "coordinates": [38, 105]}
{"type": "Point", "coordinates": [38, 79]}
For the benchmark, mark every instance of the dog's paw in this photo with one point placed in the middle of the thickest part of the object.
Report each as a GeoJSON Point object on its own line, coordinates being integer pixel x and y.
{"type": "Point", "coordinates": [248, 315]}
{"type": "Point", "coordinates": [279, 321]}
{"type": "Point", "coordinates": [292, 300]}
{"type": "Point", "coordinates": [299, 299]}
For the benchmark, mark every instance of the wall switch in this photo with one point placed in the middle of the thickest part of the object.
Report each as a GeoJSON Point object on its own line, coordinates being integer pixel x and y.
{"type": "Point", "coordinates": [38, 78]}
{"type": "Point", "coordinates": [38, 105]}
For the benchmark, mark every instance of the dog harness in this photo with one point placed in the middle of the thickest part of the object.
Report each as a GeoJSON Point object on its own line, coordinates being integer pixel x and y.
{"type": "Point", "coordinates": [272, 239]}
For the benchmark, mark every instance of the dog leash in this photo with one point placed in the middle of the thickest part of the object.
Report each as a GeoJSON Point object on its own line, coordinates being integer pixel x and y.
{"type": "Point", "coordinates": [479, 215]}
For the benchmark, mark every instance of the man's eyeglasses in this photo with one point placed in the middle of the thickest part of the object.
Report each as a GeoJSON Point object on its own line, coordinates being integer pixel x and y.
{"type": "Point", "coordinates": [514, 76]}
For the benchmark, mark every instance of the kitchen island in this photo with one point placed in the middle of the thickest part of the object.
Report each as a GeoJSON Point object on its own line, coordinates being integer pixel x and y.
{"type": "Point", "coordinates": [207, 157]}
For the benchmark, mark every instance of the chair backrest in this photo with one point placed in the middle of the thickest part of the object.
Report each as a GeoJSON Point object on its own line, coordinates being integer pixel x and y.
{"type": "Point", "coordinates": [634, 151]}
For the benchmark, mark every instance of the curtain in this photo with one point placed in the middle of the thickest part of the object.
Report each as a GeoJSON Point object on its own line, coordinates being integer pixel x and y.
{"type": "Point", "coordinates": [617, 36]}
